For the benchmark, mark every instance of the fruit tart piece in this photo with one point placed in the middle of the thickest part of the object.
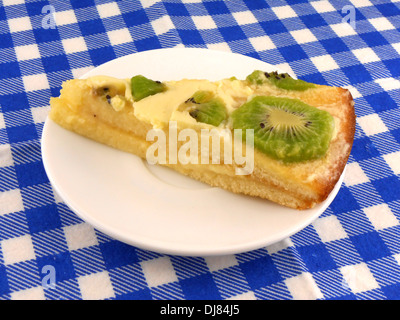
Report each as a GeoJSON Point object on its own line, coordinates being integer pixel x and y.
{"type": "Point", "coordinates": [268, 136]}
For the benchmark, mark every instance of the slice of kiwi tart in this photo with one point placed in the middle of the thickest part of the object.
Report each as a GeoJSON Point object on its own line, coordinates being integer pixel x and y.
{"type": "Point", "coordinates": [288, 133]}
{"type": "Point", "coordinates": [205, 107]}
{"type": "Point", "coordinates": [143, 87]}
{"type": "Point", "coordinates": [280, 80]}
{"type": "Point", "coordinates": [286, 129]}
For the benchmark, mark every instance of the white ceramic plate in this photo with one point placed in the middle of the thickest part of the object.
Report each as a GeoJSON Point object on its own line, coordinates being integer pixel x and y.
{"type": "Point", "coordinates": [155, 208]}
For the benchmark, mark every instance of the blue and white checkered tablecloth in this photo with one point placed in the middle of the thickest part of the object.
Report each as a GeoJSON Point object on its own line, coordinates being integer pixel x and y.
{"type": "Point", "coordinates": [352, 251]}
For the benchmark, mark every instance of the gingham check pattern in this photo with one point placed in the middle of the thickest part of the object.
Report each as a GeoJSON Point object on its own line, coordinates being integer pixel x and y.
{"type": "Point", "coordinates": [351, 252]}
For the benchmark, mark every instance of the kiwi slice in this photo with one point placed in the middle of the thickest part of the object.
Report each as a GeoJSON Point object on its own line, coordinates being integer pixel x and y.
{"type": "Point", "coordinates": [280, 80]}
{"type": "Point", "coordinates": [205, 107]}
{"type": "Point", "coordinates": [286, 129]}
{"type": "Point", "coordinates": [143, 87]}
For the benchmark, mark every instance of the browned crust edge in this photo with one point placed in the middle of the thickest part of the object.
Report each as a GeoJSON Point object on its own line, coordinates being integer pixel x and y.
{"type": "Point", "coordinates": [349, 128]}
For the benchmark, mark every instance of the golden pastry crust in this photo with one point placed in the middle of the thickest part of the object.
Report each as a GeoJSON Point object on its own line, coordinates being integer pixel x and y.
{"type": "Point", "coordinates": [341, 147]}
{"type": "Point", "coordinates": [298, 185]}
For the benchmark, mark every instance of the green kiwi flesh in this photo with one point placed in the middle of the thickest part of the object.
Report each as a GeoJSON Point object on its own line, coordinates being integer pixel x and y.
{"type": "Point", "coordinates": [286, 129]}
{"type": "Point", "coordinates": [143, 87]}
{"type": "Point", "coordinates": [206, 108]}
{"type": "Point", "coordinates": [280, 80]}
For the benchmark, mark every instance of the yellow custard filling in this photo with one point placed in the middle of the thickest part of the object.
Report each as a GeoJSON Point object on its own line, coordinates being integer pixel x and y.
{"type": "Point", "coordinates": [161, 108]}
